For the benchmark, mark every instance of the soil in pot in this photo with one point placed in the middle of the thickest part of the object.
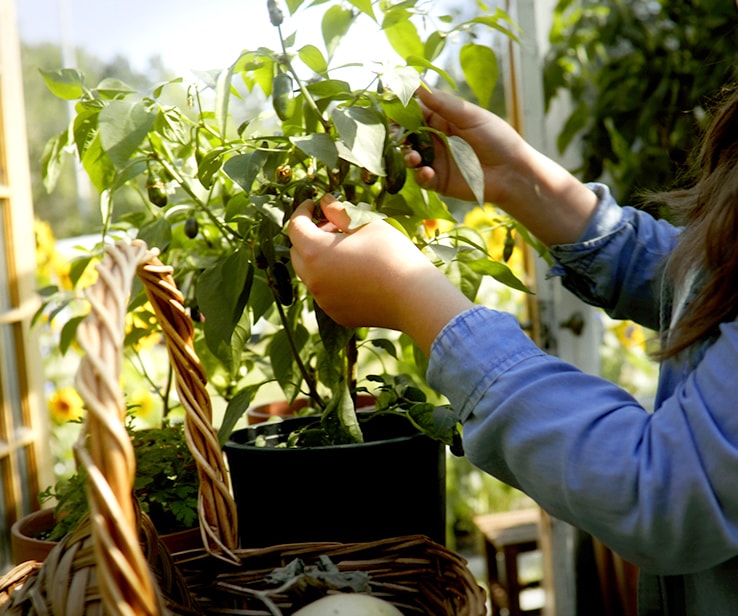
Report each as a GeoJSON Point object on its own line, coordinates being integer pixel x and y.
{"type": "Point", "coordinates": [393, 484]}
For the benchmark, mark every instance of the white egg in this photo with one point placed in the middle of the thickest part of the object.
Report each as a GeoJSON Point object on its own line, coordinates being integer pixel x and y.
{"type": "Point", "coordinates": [349, 604]}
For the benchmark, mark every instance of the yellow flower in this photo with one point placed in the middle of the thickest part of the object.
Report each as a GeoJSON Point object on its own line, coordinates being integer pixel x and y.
{"type": "Point", "coordinates": [492, 225]}
{"type": "Point", "coordinates": [65, 405]}
{"type": "Point", "coordinates": [630, 335]}
{"type": "Point", "coordinates": [435, 225]}
{"type": "Point", "coordinates": [142, 323]}
{"type": "Point", "coordinates": [144, 406]}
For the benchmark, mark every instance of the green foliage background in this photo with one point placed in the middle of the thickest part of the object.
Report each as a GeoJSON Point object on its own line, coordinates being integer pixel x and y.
{"type": "Point", "coordinates": [640, 76]}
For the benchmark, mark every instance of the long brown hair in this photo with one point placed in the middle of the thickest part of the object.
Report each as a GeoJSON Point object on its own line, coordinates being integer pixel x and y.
{"type": "Point", "coordinates": [708, 209]}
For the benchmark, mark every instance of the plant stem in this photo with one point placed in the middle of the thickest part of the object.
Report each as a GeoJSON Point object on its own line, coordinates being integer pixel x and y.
{"type": "Point", "coordinates": [352, 353]}
{"type": "Point", "coordinates": [308, 97]}
{"type": "Point", "coordinates": [296, 353]}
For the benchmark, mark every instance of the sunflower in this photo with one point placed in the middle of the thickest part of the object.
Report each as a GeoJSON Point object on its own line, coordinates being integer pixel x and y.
{"type": "Point", "coordinates": [65, 405]}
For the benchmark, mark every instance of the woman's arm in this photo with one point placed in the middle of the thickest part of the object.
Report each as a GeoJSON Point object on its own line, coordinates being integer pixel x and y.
{"type": "Point", "coordinates": [659, 488]}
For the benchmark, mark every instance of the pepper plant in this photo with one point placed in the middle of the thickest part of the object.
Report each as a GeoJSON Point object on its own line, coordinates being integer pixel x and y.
{"type": "Point", "coordinates": [219, 177]}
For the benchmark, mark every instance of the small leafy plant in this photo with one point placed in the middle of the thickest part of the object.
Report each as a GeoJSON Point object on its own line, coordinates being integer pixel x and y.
{"type": "Point", "coordinates": [220, 164]}
{"type": "Point", "coordinates": [166, 484]}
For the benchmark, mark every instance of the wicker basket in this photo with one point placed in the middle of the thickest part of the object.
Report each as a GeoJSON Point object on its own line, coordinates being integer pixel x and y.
{"type": "Point", "coordinates": [114, 563]}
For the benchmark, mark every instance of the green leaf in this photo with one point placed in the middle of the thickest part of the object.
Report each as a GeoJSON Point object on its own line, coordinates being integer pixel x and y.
{"type": "Point", "coordinates": [347, 415]}
{"type": "Point", "coordinates": [256, 69]}
{"type": "Point", "coordinates": [362, 135]}
{"type": "Point", "coordinates": [386, 345]}
{"type": "Point", "coordinates": [493, 21]}
{"type": "Point", "coordinates": [479, 64]}
{"type": "Point", "coordinates": [209, 166]}
{"type": "Point", "coordinates": [409, 116]}
{"type": "Point", "coordinates": [223, 92]}
{"type": "Point", "coordinates": [438, 422]}
{"type": "Point", "coordinates": [403, 81]}
{"type": "Point", "coordinates": [403, 36]}
{"type": "Point", "coordinates": [313, 59]}
{"type": "Point", "coordinates": [361, 214]}
{"type": "Point", "coordinates": [52, 159]}
{"type": "Point", "coordinates": [111, 88]}
{"type": "Point", "coordinates": [123, 125]}
{"type": "Point", "coordinates": [464, 277]}
{"type": "Point", "coordinates": [84, 128]}
{"type": "Point", "coordinates": [335, 89]}
{"type": "Point", "coordinates": [69, 333]}
{"type": "Point", "coordinates": [65, 83]}
{"type": "Point", "coordinates": [335, 337]}
{"type": "Point", "coordinates": [77, 267]}
{"type": "Point", "coordinates": [421, 62]}
{"type": "Point", "coordinates": [235, 409]}
{"type": "Point", "coordinates": [98, 165]}
{"type": "Point", "coordinates": [365, 6]}
{"type": "Point", "coordinates": [156, 233]}
{"type": "Point", "coordinates": [500, 272]}
{"type": "Point", "coordinates": [243, 168]}
{"type": "Point", "coordinates": [293, 5]}
{"type": "Point", "coordinates": [320, 146]}
{"type": "Point", "coordinates": [222, 291]}
{"type": "Point", "coordinates": [283, 360]}
{"type": "Point", "coordinates": [469, 165]}
{"type": "Point", "coordinates": [434, 45]}
{"type": "Point", "coordinates": [336, 23]}
{"type": "Point", "coordinates": [267, 205]}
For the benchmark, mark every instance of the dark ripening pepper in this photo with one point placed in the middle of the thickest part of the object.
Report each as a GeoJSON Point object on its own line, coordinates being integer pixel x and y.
{"type": "Point", "coordinates": [422, 143]}
{"type": "Point", "coordinates": [282, 99]}
{"type": "Point", "coordinates": [394, 167]}
{"type": "Point", "coordinates": [508, 246]}
{"type": "Point", "coordinates": [191, 227]}
{"type": "Point", "coordinates": [281, 282]}
{"type": "Point", "coordinates": [157, 192]}
{"type": "Point", "coordinates": [303, 192]}
{"type": "Point", "coordinates": [275, 13]}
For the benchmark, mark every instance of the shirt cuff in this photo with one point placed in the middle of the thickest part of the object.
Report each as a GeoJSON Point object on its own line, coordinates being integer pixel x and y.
{"type": "Point", "coordinates": [472, 351]}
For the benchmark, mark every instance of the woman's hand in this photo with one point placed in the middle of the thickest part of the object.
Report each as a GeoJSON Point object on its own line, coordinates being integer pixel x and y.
{"type": "Point", "coordinates": [542, 195]}
{"type": "Point", "coordinates": [497, 145]}
{"type": "Point", "coordinates": [373, 276]}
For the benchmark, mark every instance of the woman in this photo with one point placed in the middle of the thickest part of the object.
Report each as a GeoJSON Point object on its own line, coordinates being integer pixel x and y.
{"type": "Point", "coordinates": [660, 489]}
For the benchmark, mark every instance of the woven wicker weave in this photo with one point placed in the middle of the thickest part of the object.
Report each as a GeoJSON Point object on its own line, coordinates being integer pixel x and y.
{"type": "Point", "coordinates": [114, 563]}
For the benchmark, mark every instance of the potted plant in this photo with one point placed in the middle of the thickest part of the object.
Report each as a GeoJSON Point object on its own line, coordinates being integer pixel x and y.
{"type": "Point", "coordinates": [218, 166]}
{"type": "Point", "coordinates": [166, 489]}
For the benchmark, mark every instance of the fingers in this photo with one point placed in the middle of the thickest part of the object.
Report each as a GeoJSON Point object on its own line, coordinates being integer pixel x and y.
{"type": "Point", "coordinates": [335, 213]}
{"type": "Point", "coordinates": [301, 223]}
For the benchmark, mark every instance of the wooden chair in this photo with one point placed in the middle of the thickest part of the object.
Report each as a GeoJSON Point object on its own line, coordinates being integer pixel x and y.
{"type": "Point", "coordinates": [506, 536]}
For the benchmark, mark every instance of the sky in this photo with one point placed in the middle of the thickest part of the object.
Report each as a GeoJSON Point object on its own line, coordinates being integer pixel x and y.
{"type": "Point", "coordinates": [188, 34]}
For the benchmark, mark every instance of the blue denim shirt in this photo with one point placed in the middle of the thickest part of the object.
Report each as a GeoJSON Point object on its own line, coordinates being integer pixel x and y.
{"type": "Point", "coordinates": [660, 489]}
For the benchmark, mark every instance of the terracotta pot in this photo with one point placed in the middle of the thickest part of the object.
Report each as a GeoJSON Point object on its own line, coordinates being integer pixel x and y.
{"type": "Point", "coordinates": [25, 544]}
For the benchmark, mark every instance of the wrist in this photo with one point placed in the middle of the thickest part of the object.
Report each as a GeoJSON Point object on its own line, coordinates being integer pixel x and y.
{"type": "Point", "coordinates": [428, 304]}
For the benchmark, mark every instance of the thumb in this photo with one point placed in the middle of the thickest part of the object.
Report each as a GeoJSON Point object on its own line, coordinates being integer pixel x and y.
{"type": "Point", "coordinates": [335, 213]}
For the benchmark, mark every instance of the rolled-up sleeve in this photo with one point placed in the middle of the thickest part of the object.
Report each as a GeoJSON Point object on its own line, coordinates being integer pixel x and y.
{"type": "Point", "coordinates": [657, 488]}
{"type": "Point", "coordinates": [618, 261]}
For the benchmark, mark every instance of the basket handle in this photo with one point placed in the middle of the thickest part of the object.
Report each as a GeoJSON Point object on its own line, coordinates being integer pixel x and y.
{"type": "Point", "coordinates": [104, 446]}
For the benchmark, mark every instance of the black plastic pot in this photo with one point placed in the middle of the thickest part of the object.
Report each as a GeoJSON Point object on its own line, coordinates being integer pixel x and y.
{"type": "Point", "coordinates": [393, 484]}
